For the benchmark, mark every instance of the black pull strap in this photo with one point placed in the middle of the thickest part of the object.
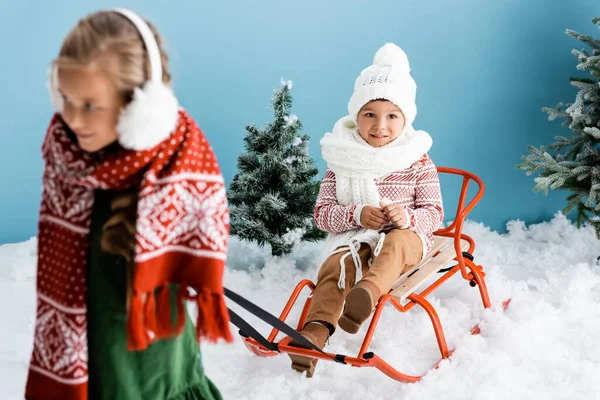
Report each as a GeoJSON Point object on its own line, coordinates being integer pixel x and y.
{"type": "Point", "coordinates": [271, 320]}
{"type": "Point", "coordinates": [247, 329]}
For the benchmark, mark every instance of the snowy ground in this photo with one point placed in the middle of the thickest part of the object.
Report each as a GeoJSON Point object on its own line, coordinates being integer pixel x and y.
{"type": "Point", "coordinates": [542, 347]}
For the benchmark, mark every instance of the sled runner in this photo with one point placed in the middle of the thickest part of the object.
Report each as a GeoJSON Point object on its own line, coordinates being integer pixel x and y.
{"type": "Point", "coordinates": [451, 246]}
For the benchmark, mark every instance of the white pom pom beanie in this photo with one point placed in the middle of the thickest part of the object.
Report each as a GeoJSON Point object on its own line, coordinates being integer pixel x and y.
{"type": "Point", "coordinates": [389, 79]}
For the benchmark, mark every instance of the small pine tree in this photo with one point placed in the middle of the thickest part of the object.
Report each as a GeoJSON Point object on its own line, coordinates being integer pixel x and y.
{"type": "Point", "coordinates": [573, 163]}
{"type": "Point", "coordinates": [273, 195]}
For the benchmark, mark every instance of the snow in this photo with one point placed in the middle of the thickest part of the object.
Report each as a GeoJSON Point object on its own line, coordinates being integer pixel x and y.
{"type": "Point", "coordinates": [543, 346]}
{"type": "Point", "coordinates": [290, 159]}
{"type": "Point", "coordinates": [286, 83]}
{"type": "Point", "coordinates": [294, 236]}
{"type": "Point", "coordinates": [297, 141]}
{"type": "Point", "coordinates": [290, 120]}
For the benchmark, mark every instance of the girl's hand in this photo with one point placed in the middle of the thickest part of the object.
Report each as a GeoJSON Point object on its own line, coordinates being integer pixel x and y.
{"type": "Point", "coordinates": [372, 217]}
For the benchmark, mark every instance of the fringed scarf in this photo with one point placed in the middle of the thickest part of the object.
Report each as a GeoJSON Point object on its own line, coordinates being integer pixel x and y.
{"type": "Point", "coordinates": [182, 228]}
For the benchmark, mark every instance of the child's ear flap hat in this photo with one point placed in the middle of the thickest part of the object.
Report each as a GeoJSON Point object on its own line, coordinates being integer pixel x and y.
{"type": "Point", "coordinates": [389, 79]}
{"type": "Point", "coordinates": [153, 113]}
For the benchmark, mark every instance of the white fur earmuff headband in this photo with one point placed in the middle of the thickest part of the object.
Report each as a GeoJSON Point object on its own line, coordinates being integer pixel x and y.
{"type": "Point", "coordinates": [153, 112]}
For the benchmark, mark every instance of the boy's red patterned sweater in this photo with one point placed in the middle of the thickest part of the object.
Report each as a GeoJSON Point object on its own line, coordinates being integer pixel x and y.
{"type": "Point", "coordinates": [416, 188]}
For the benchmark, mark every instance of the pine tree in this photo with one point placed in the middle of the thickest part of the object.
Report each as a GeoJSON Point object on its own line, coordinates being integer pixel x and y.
{"type": "Point", "coordinates": [573, 163]}
{"type": "Point", "coordinates": [273, 195]}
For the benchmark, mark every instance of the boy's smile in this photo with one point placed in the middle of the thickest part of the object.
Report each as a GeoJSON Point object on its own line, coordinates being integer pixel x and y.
{"type": "Point", "coordinates": [380, 122]}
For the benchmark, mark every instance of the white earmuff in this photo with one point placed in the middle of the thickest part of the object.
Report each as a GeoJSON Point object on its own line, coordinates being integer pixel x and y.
{"type": "Point", "coordinates": [153, 112]}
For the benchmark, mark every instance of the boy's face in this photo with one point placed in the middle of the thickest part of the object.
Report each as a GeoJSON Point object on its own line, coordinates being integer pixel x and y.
{"type": "Point", "coordinates": [380, 122]}
{"type": "Point", "coordinates": [92, 105]}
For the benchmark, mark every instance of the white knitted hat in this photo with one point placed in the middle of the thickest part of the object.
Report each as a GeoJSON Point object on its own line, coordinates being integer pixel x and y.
{"type": "Point", "coordinates": [388, 78]}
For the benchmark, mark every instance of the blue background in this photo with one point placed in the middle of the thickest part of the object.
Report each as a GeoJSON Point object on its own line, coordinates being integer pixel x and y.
{"type": "Point", "coordinates": [484, 70]}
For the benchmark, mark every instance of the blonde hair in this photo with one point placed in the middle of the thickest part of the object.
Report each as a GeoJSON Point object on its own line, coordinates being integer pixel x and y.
{"type": "Point", "coordinates": [110, 41]}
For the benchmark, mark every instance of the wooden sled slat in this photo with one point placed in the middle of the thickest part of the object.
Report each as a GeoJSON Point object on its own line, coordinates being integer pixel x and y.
{"type": "Point", "coordinates": [435, 260]}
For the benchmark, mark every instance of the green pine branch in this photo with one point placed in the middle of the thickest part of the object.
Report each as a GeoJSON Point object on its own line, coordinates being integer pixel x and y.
{"type": "Point", "coordinates": [572, 163]}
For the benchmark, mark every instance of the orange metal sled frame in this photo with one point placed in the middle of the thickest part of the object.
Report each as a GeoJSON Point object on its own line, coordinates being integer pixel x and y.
{"type": "Point", "coordinates": [469, 271]}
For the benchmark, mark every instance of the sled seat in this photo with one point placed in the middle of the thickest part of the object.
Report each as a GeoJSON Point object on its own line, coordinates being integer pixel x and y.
{"type": "Point", "coordinates": [441, 254]}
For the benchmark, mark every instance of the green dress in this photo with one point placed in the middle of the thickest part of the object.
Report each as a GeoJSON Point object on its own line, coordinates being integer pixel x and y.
{"type": "Point", "coordinates": [169, 369]}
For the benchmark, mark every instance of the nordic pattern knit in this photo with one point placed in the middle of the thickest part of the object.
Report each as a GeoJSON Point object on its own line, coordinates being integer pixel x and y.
{"type": "Point", "coordinates": [416, 188]}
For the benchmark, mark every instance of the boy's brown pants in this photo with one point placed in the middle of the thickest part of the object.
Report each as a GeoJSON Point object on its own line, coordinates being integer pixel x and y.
{"type": "Point", "coordinates": [401, 250]}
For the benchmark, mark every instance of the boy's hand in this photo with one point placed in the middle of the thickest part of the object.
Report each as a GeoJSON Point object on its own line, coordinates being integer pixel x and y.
{"type": "Point", "coordinates": [372, 217]}
{"type": "Point", "coordinates": [395, 213]}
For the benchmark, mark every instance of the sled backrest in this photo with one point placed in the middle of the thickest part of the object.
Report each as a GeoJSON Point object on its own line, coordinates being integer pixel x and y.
{"type": "Point", "coordinates": [461, 210]}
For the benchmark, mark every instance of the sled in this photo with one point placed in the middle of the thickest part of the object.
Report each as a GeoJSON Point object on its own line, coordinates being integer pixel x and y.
{"type": "Point", "coordinates": [451, 246]}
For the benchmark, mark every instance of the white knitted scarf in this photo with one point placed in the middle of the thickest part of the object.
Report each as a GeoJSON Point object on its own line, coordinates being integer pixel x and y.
{"type": "Point", "coordinates": [356, 166]}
